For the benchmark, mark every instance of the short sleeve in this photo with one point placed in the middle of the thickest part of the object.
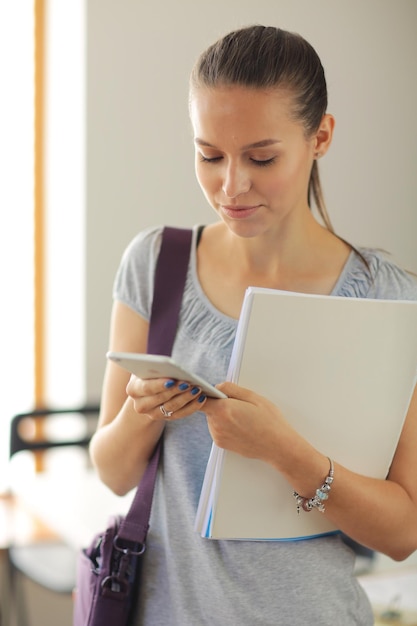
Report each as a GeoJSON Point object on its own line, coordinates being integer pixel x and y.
{"type": "Point", "coordinates": [371, 274]}
{"type": "Point", "coordinates": [133, 284]}
{"type": "Point", "coordinates": [391, 282]}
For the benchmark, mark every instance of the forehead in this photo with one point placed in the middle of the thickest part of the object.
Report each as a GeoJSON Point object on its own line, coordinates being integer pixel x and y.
{"type": "Point", "coordinates": [241, 110]}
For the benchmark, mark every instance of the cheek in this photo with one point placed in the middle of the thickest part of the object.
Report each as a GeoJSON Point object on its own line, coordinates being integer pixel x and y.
{"type": "Point", "coordinates": [205, 178]}
{"type": "Point", "coordinates": [274, 186]}
{"type": "Point", "coordinates": [287, 180]}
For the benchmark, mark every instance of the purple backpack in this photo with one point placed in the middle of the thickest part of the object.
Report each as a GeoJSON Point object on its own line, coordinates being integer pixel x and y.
{"type": "Point", "coordinates": [109, 570]}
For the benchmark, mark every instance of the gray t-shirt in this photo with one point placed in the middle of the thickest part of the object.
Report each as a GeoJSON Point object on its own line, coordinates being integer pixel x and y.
{"type": "Point", "coordinates": [191, 581]}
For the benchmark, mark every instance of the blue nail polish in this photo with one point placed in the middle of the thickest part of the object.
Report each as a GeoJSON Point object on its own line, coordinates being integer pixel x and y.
{"type": "Point", "coordinates": [183, 386]}
{"type": "Point", "coordinates": [195, 390]}
{"type": "Point", "coordinates": [169, 383]}
{"type": "Point", "coordinates": [201, 398]}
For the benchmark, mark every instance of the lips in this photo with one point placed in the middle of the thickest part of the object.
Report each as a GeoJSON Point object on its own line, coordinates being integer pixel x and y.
{"type": "Point", "coordinates": [239, 212]}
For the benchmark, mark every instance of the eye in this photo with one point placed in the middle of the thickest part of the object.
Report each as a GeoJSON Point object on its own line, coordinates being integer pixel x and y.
{"type": "Point", "coordinates": [205, 159]}
{"type": "Point", "coordinates": [264, 162]}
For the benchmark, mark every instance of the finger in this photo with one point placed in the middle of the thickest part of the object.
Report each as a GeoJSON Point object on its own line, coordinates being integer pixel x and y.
{"type": "Point", "coordinates": [235, 391]}
{"type": "Point", "coordinates": [180, 406]}
{"type": "Point", "coordinates": [137, 387]}
{"type": "Point", "coordinates": [149, 395]}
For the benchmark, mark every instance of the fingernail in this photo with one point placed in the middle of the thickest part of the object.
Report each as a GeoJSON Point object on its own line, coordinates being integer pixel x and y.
{"type": "Point", "coordinates": [195, 390]}
{"type": "Point", "coordinates": [201, 398]}
{"type": "Point", "coordinates": [169, 383]}
{"type": "Point", "coordinates": [183, 386]}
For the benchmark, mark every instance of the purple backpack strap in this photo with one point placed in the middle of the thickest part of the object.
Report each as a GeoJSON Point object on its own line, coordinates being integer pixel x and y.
{"type": "Point", "coordinates": [170, 277]}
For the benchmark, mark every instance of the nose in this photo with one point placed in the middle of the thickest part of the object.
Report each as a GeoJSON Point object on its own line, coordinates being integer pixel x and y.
{"type": "Point", "coordinates": [235, 181]}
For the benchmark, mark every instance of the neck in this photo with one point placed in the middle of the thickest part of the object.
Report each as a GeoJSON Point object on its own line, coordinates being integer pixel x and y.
{"type": "Point", "coordinates": [290, 249]}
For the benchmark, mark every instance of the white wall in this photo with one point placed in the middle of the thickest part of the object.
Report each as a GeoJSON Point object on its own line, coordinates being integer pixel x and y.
{"type": "Point", "coordinates": [139, 148]}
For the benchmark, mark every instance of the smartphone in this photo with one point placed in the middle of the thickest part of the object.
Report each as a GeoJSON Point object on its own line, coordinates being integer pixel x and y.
{"type": "Point", "coordinates": [158, 366]}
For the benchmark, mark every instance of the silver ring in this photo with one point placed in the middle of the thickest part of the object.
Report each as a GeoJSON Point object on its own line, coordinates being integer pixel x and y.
{"type": "Point", "coordinates": [164, 412]}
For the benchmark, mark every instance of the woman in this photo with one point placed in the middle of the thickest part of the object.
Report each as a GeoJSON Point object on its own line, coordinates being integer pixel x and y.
{"type": "Point", "coordinates": [258, 105]}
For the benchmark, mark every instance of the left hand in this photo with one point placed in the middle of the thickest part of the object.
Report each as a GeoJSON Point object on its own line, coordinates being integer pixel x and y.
{"type": "Point", "coordinates": [248, 424]}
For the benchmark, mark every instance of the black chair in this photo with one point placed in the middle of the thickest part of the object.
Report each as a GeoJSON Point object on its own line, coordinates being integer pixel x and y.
{"type": "Point", "coordinates": [50, 563]}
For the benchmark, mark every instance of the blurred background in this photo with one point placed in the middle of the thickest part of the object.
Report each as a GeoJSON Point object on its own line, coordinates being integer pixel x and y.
{"type": "Point", "coordinates": [95, 144]}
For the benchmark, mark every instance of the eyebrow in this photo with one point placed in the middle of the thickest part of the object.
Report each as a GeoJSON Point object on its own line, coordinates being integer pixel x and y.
{"type": "Point", "coordinates": [258, 144]}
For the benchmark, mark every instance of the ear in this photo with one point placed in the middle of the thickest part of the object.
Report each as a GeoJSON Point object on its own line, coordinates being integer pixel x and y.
{"type": "Point", "coordinates": [323, 136]}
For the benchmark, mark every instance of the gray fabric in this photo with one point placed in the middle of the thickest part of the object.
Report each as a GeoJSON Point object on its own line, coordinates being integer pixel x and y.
{"type": "Point", "coordinates": [190, 581]}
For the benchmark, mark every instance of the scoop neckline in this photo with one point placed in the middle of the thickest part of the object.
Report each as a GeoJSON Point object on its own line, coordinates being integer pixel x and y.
{"type": "Point", "coordinates": [340, 282]}
{"type": "Point", "coordinates": [197, 285]}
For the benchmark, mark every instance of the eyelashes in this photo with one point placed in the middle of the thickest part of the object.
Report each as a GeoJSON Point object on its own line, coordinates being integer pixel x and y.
{"type": "Point", "coordinates": [264, 163]}
{"type": "Point", "coordinates": [204, 159]}
{"type": "Point", "coordinates": [256, 162]}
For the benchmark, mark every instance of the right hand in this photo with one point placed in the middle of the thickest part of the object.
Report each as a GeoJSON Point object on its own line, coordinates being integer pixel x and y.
{"type": "Point", "coordinates": [176, 397]}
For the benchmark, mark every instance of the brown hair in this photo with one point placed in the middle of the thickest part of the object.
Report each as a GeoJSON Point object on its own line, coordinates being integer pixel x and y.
{"type": "Point", "coordinates": [265, 57]}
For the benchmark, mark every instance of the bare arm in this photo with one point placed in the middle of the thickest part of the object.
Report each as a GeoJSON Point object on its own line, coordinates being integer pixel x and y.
{"type": "Point", "coordinates": [381, 514]}
{"type": "Point", "coordinates": [124, 439]}
{"type": "Point", "coordinates": [130, 421]}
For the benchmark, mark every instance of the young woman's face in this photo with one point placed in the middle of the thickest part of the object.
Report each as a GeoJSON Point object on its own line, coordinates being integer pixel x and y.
{"type": "Point", "coordinates": [253, 161]}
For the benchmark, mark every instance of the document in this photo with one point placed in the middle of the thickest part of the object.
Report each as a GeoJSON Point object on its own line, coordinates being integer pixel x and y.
{"type": "Point", "coordinates": [342, 372]}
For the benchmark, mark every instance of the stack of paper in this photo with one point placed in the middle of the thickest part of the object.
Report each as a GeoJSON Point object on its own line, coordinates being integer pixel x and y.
{"type": "Point", "coordinates": [342, 371]}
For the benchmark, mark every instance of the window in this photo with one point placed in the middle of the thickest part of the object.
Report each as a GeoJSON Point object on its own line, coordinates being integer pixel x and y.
{"type": "Point", "coordinates": [64, 164]}
{"type": "Point", "coordinates": [16, 214]}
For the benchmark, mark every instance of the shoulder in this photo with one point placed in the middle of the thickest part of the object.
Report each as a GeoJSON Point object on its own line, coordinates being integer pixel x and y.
{"type": "Point", "coordinates": [133, 284]}
{"type": "Point", "coordinates": [144, 245]}
{"type": "Point", "coordinates": [387, 280]}
{"type": "Point", "coordinates": [134, 280]}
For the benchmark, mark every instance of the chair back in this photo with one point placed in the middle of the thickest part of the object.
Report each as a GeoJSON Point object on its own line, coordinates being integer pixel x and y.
{"type": "Point", "coordinates": [43, 429]}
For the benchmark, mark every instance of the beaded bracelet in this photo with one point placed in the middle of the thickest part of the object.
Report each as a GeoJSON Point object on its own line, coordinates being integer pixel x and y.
{"type": "Point", "coordinates": [322, 494]}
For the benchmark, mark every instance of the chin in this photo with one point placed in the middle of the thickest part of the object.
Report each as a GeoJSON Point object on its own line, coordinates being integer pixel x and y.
{"type": "Point", "coordinates": [245, 230]}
